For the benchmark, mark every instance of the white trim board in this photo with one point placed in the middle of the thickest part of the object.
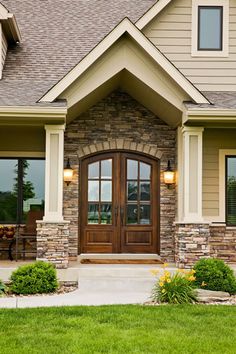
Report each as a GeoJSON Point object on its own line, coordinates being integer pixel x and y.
{"type": "Point", "coordinates": [225, 35]}
{"type": "Point", "coordinates": [125, 26]}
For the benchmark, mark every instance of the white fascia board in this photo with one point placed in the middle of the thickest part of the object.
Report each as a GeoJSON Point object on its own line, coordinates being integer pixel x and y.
{"type": "Point", "coordinates": [125, 26]}
{"type": "Point", "coordinates": [33, 112]}
{"type": "Point", "coordinates": [213, 114]}
{"type": "Point", "coordinates": [3, 12]}
{"type": "Point", "coordinates": [151, 13]}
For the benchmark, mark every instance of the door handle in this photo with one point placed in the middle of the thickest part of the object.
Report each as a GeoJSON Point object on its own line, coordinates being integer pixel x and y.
{"type": "Point", "coordinates": [116, 215]}
{"type": "Point", "coordinates": [122, 215]}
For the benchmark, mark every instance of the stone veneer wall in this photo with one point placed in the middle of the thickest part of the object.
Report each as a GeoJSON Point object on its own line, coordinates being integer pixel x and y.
{"type": "Point", "coordinates": [195, 241]}
{"type": "Point", "coordinates": [53, 243]}
{"type": "Point", "coordinates": [120, 122]}
{"type": "Point", "coordinates": [223, 243]}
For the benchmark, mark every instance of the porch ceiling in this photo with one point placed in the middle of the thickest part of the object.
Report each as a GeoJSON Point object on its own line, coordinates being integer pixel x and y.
{"type": "Point", "coordinates": [137, 89]}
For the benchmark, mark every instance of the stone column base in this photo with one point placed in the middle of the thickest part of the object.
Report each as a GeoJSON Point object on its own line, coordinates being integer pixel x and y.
{"type": "Point", "coordinates": [191, 243]}
{"type": "Point", "coordinates": [53, 243]}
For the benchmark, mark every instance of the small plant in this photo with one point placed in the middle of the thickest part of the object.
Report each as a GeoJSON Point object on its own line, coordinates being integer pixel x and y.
{"type": "Point", "coordinates": [35, 278]}
{"type": "Point", "coordinates": [175, 289]}
{"type": "Point", "coordinates": [214, 274]}
{"type": "Point", "coordinates": [3, 288]}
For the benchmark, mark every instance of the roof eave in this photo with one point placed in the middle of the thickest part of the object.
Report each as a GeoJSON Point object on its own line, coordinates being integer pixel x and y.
{"type": "Point", "coordinates": [11, 28]}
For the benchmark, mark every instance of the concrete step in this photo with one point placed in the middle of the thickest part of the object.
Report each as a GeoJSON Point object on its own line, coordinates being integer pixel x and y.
{"type": "Point", "coordinates": [127, 278]}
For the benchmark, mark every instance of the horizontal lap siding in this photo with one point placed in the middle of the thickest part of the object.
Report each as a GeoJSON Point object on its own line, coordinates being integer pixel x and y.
{"type": "Point", "coordinates": [213, 141]}
{"type": "Point", "coordinates": [171, 33]}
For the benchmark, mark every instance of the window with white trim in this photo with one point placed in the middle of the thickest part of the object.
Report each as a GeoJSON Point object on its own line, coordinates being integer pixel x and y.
{"type": "Point", "coordinates": [210, 28]}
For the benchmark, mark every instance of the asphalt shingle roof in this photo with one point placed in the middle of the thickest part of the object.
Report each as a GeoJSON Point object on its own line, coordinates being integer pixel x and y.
{"type": "Point", "coordinates": [56, 35]}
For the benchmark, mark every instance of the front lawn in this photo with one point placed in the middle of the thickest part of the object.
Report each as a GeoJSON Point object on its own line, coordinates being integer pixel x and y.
{"type": "Point", "coordinates": [119, 329]}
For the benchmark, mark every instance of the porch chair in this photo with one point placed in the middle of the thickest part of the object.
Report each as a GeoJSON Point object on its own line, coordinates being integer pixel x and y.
{"type": "Point", "coordinates": [29, 232]}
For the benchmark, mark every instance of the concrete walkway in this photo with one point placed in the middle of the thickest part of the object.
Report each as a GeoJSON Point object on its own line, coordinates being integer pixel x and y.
{"type": "Point", "coordinates": [98, 285]}
{"type": "Point", "coordinates": [75, 298]}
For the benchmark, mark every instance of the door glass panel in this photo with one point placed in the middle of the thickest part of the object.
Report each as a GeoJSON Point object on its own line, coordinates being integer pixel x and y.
{"type": "Point", "coordinates": [93, 170]}
{"type": "Point", "coordinates": [93, 214]}
{"type": "Point", "coordinates": [132, 190]}
{"type": "Point", "coordinates": [106, 191]}
{"type": "Point", "coordinates": [145, 171]}
{"type": "Point", "coordinates": [106, 169]}
{"type": "Point", "coordinates": [144, 190]}
{"type": "Point", "coordinates": [132, 214]}
{"type": "Point", "coordinates": [93, 191]}
{"type": "Point", "coordinates": [100, 191]}
{"type": "Point", "coordinates": [132, 169]}
{"type": "Point", "coordinates": [144, 214]}
{"type": "Point", "coordinates": [106, 214]}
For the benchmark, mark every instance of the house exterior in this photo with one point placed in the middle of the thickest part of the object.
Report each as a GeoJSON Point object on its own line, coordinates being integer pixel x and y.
{"type": "Point", "coordinates": [120, 88]}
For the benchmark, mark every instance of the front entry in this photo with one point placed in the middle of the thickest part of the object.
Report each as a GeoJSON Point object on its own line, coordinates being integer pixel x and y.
{"type": "Point", "coordinates": [119, 204]}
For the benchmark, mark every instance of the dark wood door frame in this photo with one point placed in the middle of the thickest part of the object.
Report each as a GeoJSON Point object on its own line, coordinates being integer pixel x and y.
{"type": "Point", "coordinates": [114, 235]}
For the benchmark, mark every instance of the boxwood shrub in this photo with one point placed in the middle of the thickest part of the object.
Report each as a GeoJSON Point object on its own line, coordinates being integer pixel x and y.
{"type": "Point", "coordinates": [2, 288]}
{"type": "Point", "coordinates": [214, 274]}
{"type": "Point", "coordinates": [36, 278]}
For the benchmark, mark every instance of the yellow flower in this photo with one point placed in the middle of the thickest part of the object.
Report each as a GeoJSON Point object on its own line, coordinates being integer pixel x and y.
{"type": "Point", "coordinates": [180, 270]}
{"type": "Point", "coordinates": [192, 278]}
{"type": "Point", "coordinates": [193, 271]}
{"type": "Point", "coordinates": [161, 284]}
{"type": "Point", "coordinates": [162, 278]}
{"type": "Point", "coordinates": [167, 274]}
{"type": "Point", "coordinates": [204, 284]}
{"type": "Point", "coordinates": [154, 271]}
{"type": "Point", "coordinates": [168, 280]}
{"type": "Point", "coordinates": [165, 265]}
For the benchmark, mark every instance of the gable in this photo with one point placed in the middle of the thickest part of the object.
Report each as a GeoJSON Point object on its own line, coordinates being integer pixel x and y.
{"type": "Point", "coordinates": [125, 28]}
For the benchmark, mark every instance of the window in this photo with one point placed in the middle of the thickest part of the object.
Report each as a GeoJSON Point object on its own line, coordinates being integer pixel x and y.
{"type": "Point", "coordinates": [210, 28]}
{"type": "Point", "coordinates": [210, 21]}
{"type": "Point", "coordinates": [21, 188]}
{"type": "Point", "coordinates": [230, 190]}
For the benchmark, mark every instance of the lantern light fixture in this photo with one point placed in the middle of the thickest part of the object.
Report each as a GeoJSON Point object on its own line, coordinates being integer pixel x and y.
{"type": "Point", "coordinates": [169, 175]}
{"type": "Point", "coordinates": [68, 173]}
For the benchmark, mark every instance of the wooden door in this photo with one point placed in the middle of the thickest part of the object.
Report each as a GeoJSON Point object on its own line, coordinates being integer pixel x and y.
{"type": "Point", "coordinates": [119, 204]}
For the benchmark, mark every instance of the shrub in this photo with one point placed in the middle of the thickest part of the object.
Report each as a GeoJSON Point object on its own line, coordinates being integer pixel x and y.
{"type": "Point", "coordinates": [175, 289]}
{"type": "Point", "coordinates": [214, 274]}
{"type": "Point", "coordinates": [2, 288]}
{"type": "Point", "coordinates": [38, 277]}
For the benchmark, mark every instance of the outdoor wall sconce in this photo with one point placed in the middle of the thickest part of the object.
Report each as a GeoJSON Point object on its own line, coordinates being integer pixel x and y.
{"type": "Point", "coordinates": [68, 173]}
{"type": "Point", "coordinates": [169, 175]}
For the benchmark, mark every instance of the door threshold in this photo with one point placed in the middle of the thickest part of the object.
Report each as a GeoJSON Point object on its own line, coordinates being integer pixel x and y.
{"type": "Point", "coordinates": [125, 256]}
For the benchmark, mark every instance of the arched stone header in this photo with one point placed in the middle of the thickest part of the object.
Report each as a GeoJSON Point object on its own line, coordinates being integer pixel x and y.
{"type": "Point", "coordinates": [120, 144]}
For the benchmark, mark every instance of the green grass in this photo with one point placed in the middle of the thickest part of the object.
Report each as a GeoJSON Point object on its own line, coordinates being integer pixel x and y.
{"type": "Point", "coordinates": [119, 329]}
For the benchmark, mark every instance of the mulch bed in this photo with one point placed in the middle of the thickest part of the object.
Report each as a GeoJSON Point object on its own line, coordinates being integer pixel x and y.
{"type": "Point", "coordinates": [63, 289]}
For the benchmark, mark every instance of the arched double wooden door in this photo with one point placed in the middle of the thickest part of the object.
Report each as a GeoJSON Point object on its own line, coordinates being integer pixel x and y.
{"type": "Point", "coordinates": [119, 204]}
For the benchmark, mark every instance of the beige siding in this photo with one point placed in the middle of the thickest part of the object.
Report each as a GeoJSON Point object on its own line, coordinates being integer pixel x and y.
{"type": "Point", "coordinates": [22, 139]}
{"type": "Point", "coordinates": [4, 50]}
{"type": "Point", "coordinates": [171, 33]}
{"type": "Point", "coordinates": [213, 141]}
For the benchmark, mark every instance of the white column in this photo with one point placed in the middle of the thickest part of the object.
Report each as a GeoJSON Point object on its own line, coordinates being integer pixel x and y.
{"type": "Point", "coordinates": [54, 173]}
{"type": "Point", "coordinates": [192, 174]}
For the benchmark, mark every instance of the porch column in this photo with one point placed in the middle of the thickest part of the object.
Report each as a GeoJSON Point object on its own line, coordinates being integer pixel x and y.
{"type": "Point", "coordinates": [192, 174]}
{"type": "Point", "coordinates": [54, 173]}
{"type": "Point", "coordinates": [53, 231]}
